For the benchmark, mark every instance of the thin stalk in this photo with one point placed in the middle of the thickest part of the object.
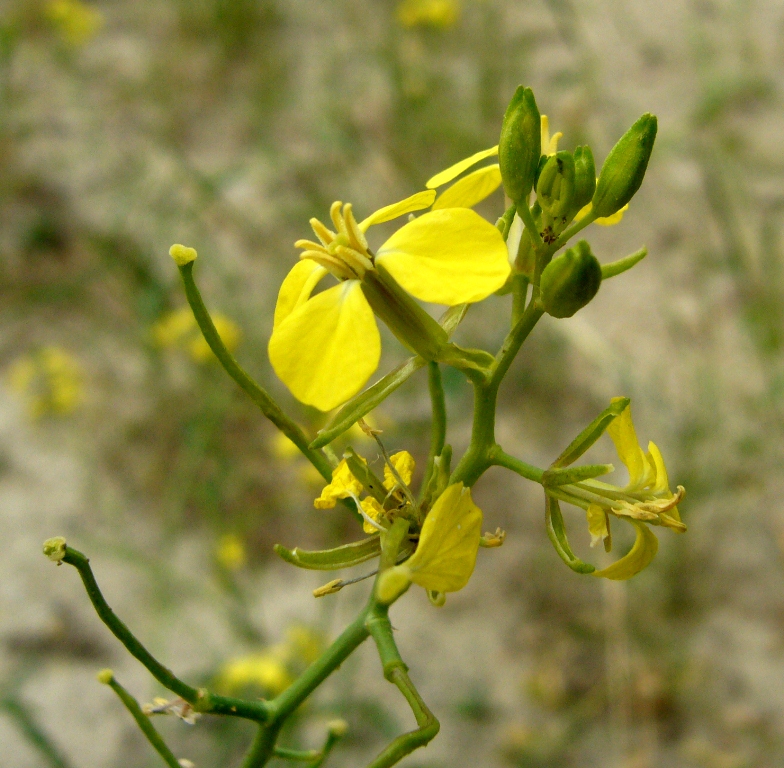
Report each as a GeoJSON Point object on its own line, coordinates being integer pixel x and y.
{"type": "Point", "coordinates": [514, 341]}
{"type": "Point", "coordinates": [528, 471]}
{"type": "Point", "coordinates": [145, 726]}
{"type": "Point", "coordinates": [259, 396]}
{"type": "Point", "coordinates": [201, 699]}
{"type": "Point", "coordinates": [569, 233]}
{"type": "Point", "coordinates": [438, 424]}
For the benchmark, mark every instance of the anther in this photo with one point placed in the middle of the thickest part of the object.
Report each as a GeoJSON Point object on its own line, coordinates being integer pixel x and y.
{"type": "Point", "coordinates": [322, 233]}
{"type": "Point", "coordinates": [337, 219]}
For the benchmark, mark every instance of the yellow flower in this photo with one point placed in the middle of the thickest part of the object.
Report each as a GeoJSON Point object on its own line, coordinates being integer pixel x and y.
{"type": "Point", "coordinates": [404, 465]}
{"type": "Point", "coordinates": [428, 13]}
{"type": "Point", "coordinates": [75, 21]}
{"type": "Point", "coordinates": [343, 485]}
{"type": "Point", "coordinates": [230, 552]}
{"type": "Point", "coordinates": [603, 221]}
{"type": "Point", "coordinates": [49, 381]}
{"type": "Point", "coordinates": [325, 347]}
{"type": "Point", "coordinates": [178, 329]}
{"type": "Point", "coordinates": [446, 554]}
{"type": "Point", "coordinates": [263, 670]}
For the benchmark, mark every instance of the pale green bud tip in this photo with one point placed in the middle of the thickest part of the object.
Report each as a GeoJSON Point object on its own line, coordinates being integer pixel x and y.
{"type": "Point", "coordinates": [337, 728]}
{"type": "Point", "coordinates": [182, 254]}
{"type": "Point", "coordinates": [105, 676]}
{"type": "Point", "coordinates": [54, 549]}
{"type": "Point", "coordinates": [391, 584]}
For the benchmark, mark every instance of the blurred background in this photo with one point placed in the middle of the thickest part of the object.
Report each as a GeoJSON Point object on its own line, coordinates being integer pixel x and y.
{"type": "Point", "coordinates": [127, 125]}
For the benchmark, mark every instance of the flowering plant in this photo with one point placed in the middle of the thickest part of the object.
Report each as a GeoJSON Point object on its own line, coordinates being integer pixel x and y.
{"type": "Point", "coordinates": [326, 345]}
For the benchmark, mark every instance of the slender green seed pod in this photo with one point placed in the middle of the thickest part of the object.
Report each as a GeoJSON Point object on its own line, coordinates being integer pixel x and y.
{"type": "Point", "coordinates": [555, 188]}
{"type": "Point", "coordinates": [520, 145]}
{"type": "Point", "coordinates": [625, 166]}
{"type": "Point", "coordinates": [570, 281]}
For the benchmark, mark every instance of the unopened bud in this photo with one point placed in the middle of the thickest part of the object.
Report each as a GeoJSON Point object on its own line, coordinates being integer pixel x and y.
{"type": "Point", "coordinates": [555, 188]}
{"type": "Point", "coordinates": [337, 728]}
{"type": "Point", "coordinates": [584, 178]}
{"type": "Point", "coordinates": [54, 549]}
{"type": "Point", "coordinates": [570, 281]}
{"type": "Point", "coordinates": [182, 254]}
{"type": "Point", "coordinates": [520, 145]}
{"type": "Point", "coordinates": [624, 168]}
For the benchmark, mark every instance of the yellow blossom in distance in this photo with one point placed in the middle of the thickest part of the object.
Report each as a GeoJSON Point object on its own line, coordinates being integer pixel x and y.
{"type": "Point", "coordinates": [446, 554]}
{"type": "Point", "coordinates": [230, 552]}
{"type": "Point", "coordinates": [178, 329]}
{"type": "Point", "coordinates": [439, 14]}
{"type": "Point", "coordinates": [76, 22]}
{"type": "Point", "coordinates": [48, 381]}
{"type": "Point", "coordinates": [325, 347]}
{"type": "Point", "coordinates": [263, 670]}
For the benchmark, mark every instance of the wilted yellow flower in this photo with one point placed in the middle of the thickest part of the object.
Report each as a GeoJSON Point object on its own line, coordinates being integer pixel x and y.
{"type": "Point", "coordinates": [178, 329]}
{"type": "Point", "coordinates": [230, 552]}
{"type": "Point", "coordinates": [49, 381]}
{"type": "Point", "coordinates": [446, 554]}
{"type": "Point", "coordinates": [75, 21]}
{"type": "Point", "coordinates": [440, 14]}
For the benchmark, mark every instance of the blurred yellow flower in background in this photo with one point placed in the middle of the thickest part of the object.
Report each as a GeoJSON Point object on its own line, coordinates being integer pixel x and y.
{"type": "Point", "coordinates": [74, 21]}
{"type": "Point", "coordinates": [179, 330]}
{"type": "Point", "coordinates": [272, 670]}
{"type": "Point", "coordinates": [440, 14]}
{"type": "Point", "coordinates": [49, 382]}
{"type": "Point", "coordinates": [230, 552]}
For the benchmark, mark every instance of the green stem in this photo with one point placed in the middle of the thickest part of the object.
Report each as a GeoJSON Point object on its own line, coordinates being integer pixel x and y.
{"type": "Point", "coordinates": [514, 341]}
{"type": "Point", "coordinates": [297, 754]}
{"type": "Point", "coordinates": [200, 699]}
{"type": "Point", "coordinates": [573, 230]}
{"type": "Point", "coordinates": [438, 427]}
{"type": "Point", "coordinates": [259, 396]}
{"type": "Point", "coordinates": [33, 733]}
{"type": "Point", "coordinates": [528, 471]}
{"type": "Point", "coordinates": [396, 672]}
{"type": "Point", "coordinates": [263, 747]}
{"type": "Point", "coordinates": [146, 727]}
{"type": "Point", "coordinates": [519, 296]}
{"type": "Point", "coordinates": [478, 456]}
{"type": "Point", "coordinates": [524, 212]}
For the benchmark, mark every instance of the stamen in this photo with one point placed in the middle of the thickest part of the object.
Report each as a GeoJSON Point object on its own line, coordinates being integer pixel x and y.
{"type": "Point", "coordinates": [330, 262]}
{"type": "Point", "coordinates": [337, 219]}
{"type": "Point", "coordinates": [310, 245]}
{"type": "Point", "coordinates": [355, 234]}
{"type": "Point", "coordinates": [354, 259]}
{"type": "Point", "coordinates": [368, 519]}
{"type": "Point", "coordinates": [322, 233]}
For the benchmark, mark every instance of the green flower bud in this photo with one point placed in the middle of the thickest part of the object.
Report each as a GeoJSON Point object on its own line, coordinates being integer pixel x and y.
{"type": "Point", "coordinates": [584, 178]}
{"type": "Point", "coordinates": [624, 168]}
{"type": "Point", "coordinates": [570, 281]}
{"type": "Point", "coordinates": [520, 145]}
{"type": "Point", "coordinates": [555, 188]}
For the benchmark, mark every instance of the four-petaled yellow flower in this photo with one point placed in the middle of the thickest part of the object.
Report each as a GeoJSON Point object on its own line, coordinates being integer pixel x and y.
{"type": "Point", "coordinates": [446, 554]}
{"type": "Point", "coordinates": [325, 347]}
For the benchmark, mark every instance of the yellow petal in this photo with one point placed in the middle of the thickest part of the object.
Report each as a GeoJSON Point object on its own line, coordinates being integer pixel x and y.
{"type": "Point", "coordinates": [452, 256]}
{"type": "Point", "coordinates": [604, 221]}
{"type": "Point", "coordinates": [417, 202]}
{"type": "Point", "coordinates": [403, 462]}
{"type": "Point", "coordinates": [597, 524]}
{"type": "Point", "coordinates": [374, 511]}
{"type": "Point", "coordinates": [297, 287]}
{"type": "Point", "coordinates": [471, 189]}
{"type": "Point", "coordinates": [639, 556]}
{"type": "Point", "coordinates": [445, 557]}
{"type": "Point", "coordinates": [621, 430]}
{"type": "Point", "coordinates": [455, 170]}
{"type": "Point", "coordinates": [611, 221]}
{"type": "Point", "coordinates": [328, 347]}
{"type": "Point", "coordinates": [343, 485]}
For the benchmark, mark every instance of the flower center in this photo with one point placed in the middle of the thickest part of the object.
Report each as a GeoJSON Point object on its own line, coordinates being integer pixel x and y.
{"type": "Point", "coordinates": [343, 252]}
